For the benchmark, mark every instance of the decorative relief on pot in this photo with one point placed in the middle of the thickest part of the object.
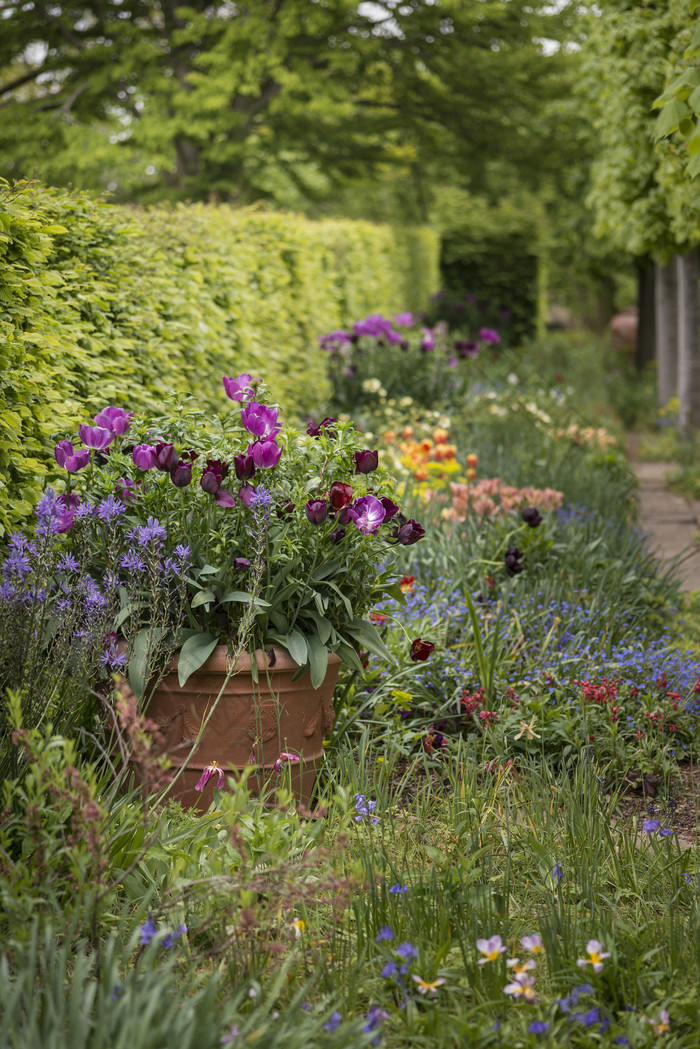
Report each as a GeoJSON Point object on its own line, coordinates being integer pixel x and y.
{"type": "Point", "coordinates": [328, 716]}
{"type": "Point", "coordinates": [311, 726]}
{"type": "Point", "coordinates": [263, 721]}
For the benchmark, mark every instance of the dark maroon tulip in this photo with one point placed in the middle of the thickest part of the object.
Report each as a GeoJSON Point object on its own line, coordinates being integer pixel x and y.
{"type": "Point", "coordinates": [408, 533]}
{"type": "Point", "coordinates": [513, 561]}
{"type": "Point", "coordinates": [327, 424]}
{"type": "Point", "coordinates": [340, 495]}
{"type": "Point", "coordinates": [316, 511]}
{"type": "Point", "coordinates": [421, 650]}
{"type": "Point", "coordinates": [211, 481]}
{"type": "Point", "coordinates": [531, 516]}
{"type": "Point", "coordinates": [181, 476]}
{"type": "Point", "coordinates": [337, 534]}
{"type": "Point", "coordinates": [240, 564]}
{"type": "Point", "coordinates": [244, 467]}
{"type": "Point", "coordinates": [166, 457]}
{"type": "Point", "coordinates": [366, 461]}
{"type": "Point", "coordinates": [219, 467]}
{"type": "Point", "coordinates": [390, 508]}
{"type": "Point", "coordinates": [343, 516]}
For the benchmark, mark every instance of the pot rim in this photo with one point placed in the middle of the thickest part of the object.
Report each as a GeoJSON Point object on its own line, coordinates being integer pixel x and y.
{"type": "Point", "coordinates": [281, 661]}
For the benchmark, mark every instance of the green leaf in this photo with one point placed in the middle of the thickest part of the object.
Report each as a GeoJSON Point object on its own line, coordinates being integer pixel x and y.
{"type": "Point", "coordinates": [54, 229]}
{"type": "Point", "coordinates": [204, 597]}
{"type": "Point", "coordinates": [139, 662]}
{"type": "Point", "coordinates": [369, 638]}
{"type": "Point", "coordinates": [243, 597]}
{"type": "Point", "coordinates": [195, 651]}
{"type": "Point", "coordinates": [296, 645]}
{"type": "Point", "coordinates": [693, 168]}
{"type": "Point", "coordinates": [318, 660]}
{"type": "Point", "coordinates": [694, 100]}
{"type": "Point", "coordinates": [669, 118]}
{"type": "Point", "coordinates": [349, 656]}
{"type": "Point", "coordinates": [322, 625]}
{"type": "Point", "coordinates": [325, 570]}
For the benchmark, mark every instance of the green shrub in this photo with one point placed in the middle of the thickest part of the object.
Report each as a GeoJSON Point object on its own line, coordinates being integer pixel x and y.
{"type": "Point", "coordinates": [103, 304]}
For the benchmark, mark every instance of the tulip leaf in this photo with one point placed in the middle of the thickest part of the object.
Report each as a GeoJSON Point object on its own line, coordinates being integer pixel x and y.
{"type": "Point", "coordinates": [195, 651]}
{"type": "Point", "coordinates": [204, 597]}
{"type": "Point", "coordinates": [241, 595]}
{"type": "Point", "coordinates": [322, 625]}
{"type": "Point", "coordinates": [318, 660]}
{"type": "Point", "coordinates": [139, 664]}
{"type": "Point", "coordinates": [328, 568]}
{"type": "Point", "coordinates": [349, 656]}
{"type": "Point", "coordinates": [368, 637]}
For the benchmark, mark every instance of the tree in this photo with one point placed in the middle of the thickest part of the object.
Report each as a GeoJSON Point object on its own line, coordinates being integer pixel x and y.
{"type": "Point", "coordinates": [271, 98]}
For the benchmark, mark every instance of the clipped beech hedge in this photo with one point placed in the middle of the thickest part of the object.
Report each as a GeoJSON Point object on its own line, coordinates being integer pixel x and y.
{"type": "Point", "coordinates": [113, 305]}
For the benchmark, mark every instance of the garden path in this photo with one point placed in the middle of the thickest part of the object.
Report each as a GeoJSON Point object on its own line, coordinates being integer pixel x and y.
{"type": "Point", "coordinates": [671, 520]}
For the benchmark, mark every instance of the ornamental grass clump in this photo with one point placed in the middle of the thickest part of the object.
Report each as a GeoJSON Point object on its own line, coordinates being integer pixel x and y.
{"type": "Point", "coordinates": [233, 528]}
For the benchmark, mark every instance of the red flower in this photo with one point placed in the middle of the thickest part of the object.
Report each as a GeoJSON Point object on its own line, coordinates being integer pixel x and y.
{"type": "Point", "coordinates": [420, 650]}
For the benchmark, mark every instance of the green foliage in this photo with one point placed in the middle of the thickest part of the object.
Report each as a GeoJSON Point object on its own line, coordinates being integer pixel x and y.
{"type": "Point", "coordinates": [106, 305]}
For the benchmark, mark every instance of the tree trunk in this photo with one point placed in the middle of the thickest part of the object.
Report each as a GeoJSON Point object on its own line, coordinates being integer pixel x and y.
{"type": "Point", "coordinates": [646, 335]}
{"type": "Point", "coordinates": [688, 344]}
{"type": "Point", "coordinates": [666, 312]}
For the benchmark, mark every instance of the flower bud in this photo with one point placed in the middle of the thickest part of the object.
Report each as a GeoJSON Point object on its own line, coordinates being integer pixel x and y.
{"type": "Point", "coordinates": [366, 461]}
{"type": "Point", "coordinates": [181, 475]}
{"type": "Point", "coordinates": [316, 511]}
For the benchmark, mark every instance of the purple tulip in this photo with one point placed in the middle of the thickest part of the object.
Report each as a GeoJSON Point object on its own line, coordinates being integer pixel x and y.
{"type": "Point", "coordinates": [224, 498]}
{"type": "Point", "coordinates": [246, 493]}
{"type": "Point", "coordinates": [239, 389]}
{"type": "Point", "coordinates": [337, 534]}
{"type": "Point", "coordinates": [96, 437]}
{"type": "Point", "coordinates": [408, 532]}
{"type": "Point", "coordinates": [70, 460]}
{"type": "Point", "coordinates": [266, 454]}
{"type": "Point", "coordinates": [68, 502]}
{"type": "Point", "coordinates": [166, 456]}
{"type": "Point", "coordinates": [286, 509]}
{"type": "Point", "coordinates": [375, 326]}
{"type": "Point", "coordinates": [64, 522]}
{"type": "Point", "coordinates": [316, 511]}
{"type": "Point", "coordinates": [365, 461]}
{"type": "Point", "coordinates": [144, 456]}
{"type": "Point", "coordinates": [181, 475]}
{"type": "Point", "coordinates": [343, 516]}
{"type": "Point", "coordinates": [214, 474]}
{"type": "Point", "coordinates": [367, 513]}
{"type": "Point", "coordinates": [428, 341]}
{"type": "Point", "coordinates": [244, 467]}
{"type": "Point", "coordinates": [404, 320]}
{"type": "Point", "coordinates": [394, 336]}
{"type": "Point", "coordinates": [116, 420]}
{"type": "Point", "coordinates": [260, 420]}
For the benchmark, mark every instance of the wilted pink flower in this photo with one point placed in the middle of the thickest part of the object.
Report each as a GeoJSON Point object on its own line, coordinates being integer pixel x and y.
{"type": "Point", "coordinates": [210, 770]}
{"type": "Point", "coordinates": [284, 759]}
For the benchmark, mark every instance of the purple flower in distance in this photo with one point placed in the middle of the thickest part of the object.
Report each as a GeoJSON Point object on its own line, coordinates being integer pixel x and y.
{"type": "Point", "coordinates": [427, 342]}
{"type": "Point", "coordinates": [116, 420]}
{"type": "Point", "coordinates": [126, 489]}
{"type": "Point", "coordinates": [148, 931]}
{"type": "Point", "coordinates": [181, 475]}
{"type": "Point", "coordinates": [326, 425]}
{"type": "Point", "coordinates": [385, 933]}
{"type": "Point", "coordinates": [144, 456]}
{"type": "Point", "coordinates": [316, 511]}
{"type": "Point", "coordinates": [260, 420]}
{"type": "Point", "coordinates": [334, 1022]}
{"type": "Point", "coordinates": [404, 320]}
{"type": "Point", "coordinates": [95, 437]}
{"type": "Point", "coordinates": [375, 326]}
{"type": "Point", "coordinates": [365, 461]}
{"type": "Point", "coordinates": [489, 335]}
{"type": "Point", "coordinates": [465, 349]}
{"type": "Point", "coordinates": [367, 513]}
{"type": "Point", "coordinates": [265, 453]}
{"type": "Point", "coordinates": [665, 832]}
{"type": "Point", "coordinates": [70, 460]}
{"type": "Point", "coordinates": [239, 389]}
{"type": "Point", "coordinates": [394, 337]}
{"type": "Point", "coordinates": [166, 456]}
{"type": "Point", "coordinates": [650, 826]}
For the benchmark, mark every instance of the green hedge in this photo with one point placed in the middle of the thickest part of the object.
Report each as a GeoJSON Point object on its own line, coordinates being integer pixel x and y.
{"type": "Point", "coordinates": [111, 305]}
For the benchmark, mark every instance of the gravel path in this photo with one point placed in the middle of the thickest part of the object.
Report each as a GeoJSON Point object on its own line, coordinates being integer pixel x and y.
{"type": "Point", "coordinates": [671, 520]}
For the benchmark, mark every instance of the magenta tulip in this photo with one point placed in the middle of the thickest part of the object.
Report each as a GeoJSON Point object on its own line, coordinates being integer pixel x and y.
{"type": "Point", "coordinates": [144, 456]}
{"type": "Point", "coordinates": [260, 420]}
{"type": "Point", "coordinates": [239, 389]}
{"type": "Point", "coordinates": [266, 454]}
{"type": "Point", "coordinates": [116, 420]}
{"type": "Point", "coordinates": [95, 437]}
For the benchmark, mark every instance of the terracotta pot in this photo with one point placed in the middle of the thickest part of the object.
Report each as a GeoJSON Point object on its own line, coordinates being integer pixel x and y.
{"type": "Point", "coordinates": [273, 715]}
